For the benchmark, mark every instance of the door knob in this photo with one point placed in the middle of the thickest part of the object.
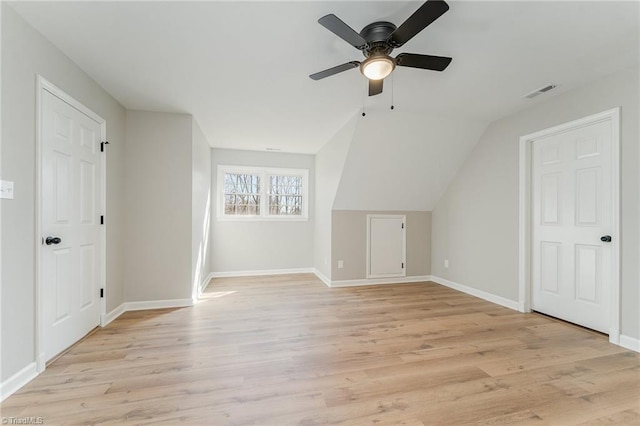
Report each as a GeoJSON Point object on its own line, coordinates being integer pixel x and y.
{"type": "Point", "coordinates": [52, 240]}
{"type": "Point", "coordinates": [605, 238]}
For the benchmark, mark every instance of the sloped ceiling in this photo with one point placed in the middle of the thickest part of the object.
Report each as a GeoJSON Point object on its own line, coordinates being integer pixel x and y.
{"type": "Point", "coordinates": [241, 68]}
{"type": "Point", "coordinates": [403, 161]}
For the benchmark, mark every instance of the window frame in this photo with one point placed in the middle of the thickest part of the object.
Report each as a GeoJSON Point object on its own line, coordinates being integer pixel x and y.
{"type": "Point", "coordinates": [264, 174]}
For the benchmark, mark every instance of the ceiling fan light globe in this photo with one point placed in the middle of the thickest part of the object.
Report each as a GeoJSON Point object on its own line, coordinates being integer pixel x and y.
{"type": "Point", "coordinates": [377, 68]}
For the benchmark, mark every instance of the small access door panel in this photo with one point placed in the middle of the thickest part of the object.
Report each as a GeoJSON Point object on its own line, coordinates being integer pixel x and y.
{"type": "Point", "coordinates": [386, 236]}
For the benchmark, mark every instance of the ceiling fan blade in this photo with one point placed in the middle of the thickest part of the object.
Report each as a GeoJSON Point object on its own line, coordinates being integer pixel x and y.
{"type": "Point", "coordinates": [421, 18]}
{"type": "Point", "coordinates": [375, 87]}
{"type": "Point", "coordinates": [427, 62]}
{"type": "Point", "coordinates": [335, 70]}
{"type": "Point", "coordinates": [342, 30]}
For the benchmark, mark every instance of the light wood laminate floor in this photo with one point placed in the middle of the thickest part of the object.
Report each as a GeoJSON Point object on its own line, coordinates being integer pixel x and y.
{"type": "Point", "coordinates": [285, 350]}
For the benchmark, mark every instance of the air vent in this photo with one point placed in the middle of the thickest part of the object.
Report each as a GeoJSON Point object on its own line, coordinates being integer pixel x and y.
{"type": "Point", "coordinates": [540, 91]}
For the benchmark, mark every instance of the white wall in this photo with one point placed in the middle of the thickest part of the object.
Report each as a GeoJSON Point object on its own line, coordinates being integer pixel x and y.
{"type": "Point", "coordinates": [329, 165]}
{"type": "Point", "coordinates": [475, 223]}
{"type": "Point", "coordinates": [401, 160]}
{"type": "Point", "coordinates": [261, 245]}
{"type": "Point", "coordinates": [201, 209]}
{"type": "Point", "coordinates": [26, 53]}
{"type": "Point", "coordinates": [158, 222]}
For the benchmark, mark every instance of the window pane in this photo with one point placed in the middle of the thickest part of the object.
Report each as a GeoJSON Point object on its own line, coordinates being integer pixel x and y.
{"type": "Point", "coordinates": [285, 185]}
{"type": "Point", "coordinates": [241, 194]}
{"type": "Point", "coordinates": [285, 195]}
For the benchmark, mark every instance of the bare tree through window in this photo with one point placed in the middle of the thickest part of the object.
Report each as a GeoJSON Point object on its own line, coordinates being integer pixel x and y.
{"type": "Point", "coordinates": [285, 195]}
{"type": "Point", "coordinates": [241, 194]}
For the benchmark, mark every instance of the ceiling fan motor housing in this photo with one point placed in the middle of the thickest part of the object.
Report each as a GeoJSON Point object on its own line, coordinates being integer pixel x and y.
{"type": "Point", "coordinates": [377, 36]}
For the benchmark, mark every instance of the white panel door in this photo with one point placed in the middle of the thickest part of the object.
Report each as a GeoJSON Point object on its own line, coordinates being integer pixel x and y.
{"type": "Point", "coordinates": [385, 246]}
{"type": "Point", "coordinates": [572, 210]}
{"type": "Point", "coordinates": [71, 250]}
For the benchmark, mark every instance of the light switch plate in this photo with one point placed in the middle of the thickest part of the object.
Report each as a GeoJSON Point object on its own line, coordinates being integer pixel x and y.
{"type": "Point", "coordinates": [6, 189]}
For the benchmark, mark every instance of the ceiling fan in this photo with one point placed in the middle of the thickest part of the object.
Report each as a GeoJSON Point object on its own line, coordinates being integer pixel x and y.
{"type": "Point", "coordinates": [377, 40]}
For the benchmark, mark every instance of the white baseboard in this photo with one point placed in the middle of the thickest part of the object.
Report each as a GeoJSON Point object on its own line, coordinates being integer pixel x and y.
{"type": "Point", "coordinates": [229, 274]}
{"type": "Point", "coordinates": [322, 277]}
{"type": "Point", "coordinates": [157, 304]}
{"type": "Point", "coordinates": [378, 281]}
{"type": "Point", "coordinates": [522, 307]}
{"type": "Point", "coordinates": [629, 343]}
{"type": "Point", "coordinates": [614, 336]}
{"type": "Point", "coordinates": [498, 300]}
{"type": "Point", "coordinates": [205, 283]}
{"type": "Point", "coordinates": [106, 319]}
{"type": "Point", "coordinates": [18, 380]}
{"type": "Point", "coordinates": [41, 362]}
{"type": "Point", "coordinates": [141, 306]}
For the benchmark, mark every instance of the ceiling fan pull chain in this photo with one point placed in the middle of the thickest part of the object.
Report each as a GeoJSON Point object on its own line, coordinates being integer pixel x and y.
{"type": "Point", "coordinates": [366, 85]}
{"type": "Point", "coordinates": [392, 80]}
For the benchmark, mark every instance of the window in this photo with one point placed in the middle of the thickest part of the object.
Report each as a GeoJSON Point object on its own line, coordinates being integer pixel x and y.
{"type": "Point", "coordinates": [256, 193]}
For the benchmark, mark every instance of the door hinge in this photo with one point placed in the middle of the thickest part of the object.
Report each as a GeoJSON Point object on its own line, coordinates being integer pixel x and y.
{"type": "Point", "coordinates": [101, 220]}
{"type": "Point", "coordinates": [102, 144]}
{"type": "Point", "coordinates": [403, 226]}
{"type": "Point", "coordinates": [102, 292]}
{"type": "Point", "coordinates": [402, 265]}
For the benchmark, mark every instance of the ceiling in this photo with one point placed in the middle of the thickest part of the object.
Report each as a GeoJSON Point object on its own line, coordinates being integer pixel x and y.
{"type": "Point", "coordinates": [241, 68]}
